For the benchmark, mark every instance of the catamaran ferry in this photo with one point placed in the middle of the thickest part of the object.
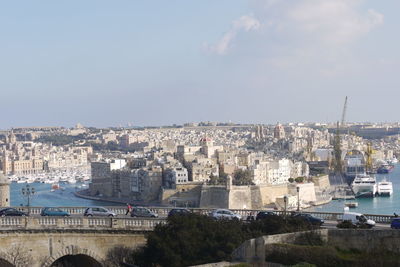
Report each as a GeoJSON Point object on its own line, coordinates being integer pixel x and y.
{"type": "Point", "coordinates": [364, 186]}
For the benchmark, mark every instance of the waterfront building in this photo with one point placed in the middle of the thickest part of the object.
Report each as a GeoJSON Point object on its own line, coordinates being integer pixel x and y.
{"type": "Point", "coordinates": [278, 171]}
{"type": "Point", "coordinates": [101, 177]}
{"type": "Point", "coordinates": [176, 175]}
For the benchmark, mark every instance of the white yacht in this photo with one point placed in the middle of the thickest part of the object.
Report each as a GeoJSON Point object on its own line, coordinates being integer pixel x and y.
{"type": "Point", "coordinates": [385, 188]}
{"type": "Point", "coordinates": [364, 186]}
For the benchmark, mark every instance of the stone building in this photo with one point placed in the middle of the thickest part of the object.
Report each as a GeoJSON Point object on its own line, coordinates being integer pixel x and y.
{"type": "Point", "coordinates": [101, 184]}
{"type": "Point", "coordinates": [4, 191]}
{"type": "Point", "coordinates": [175, 175]}
{"type": "Point", "coordinates": [279, 131]}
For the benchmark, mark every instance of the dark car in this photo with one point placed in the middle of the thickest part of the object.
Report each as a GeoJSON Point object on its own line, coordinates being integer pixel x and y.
{"type": "Point", "coordinates": [12, 212]}
{"type": "Point", "coordinates": [143, 212]}
{"type": "Point", "coordinates": [179, 212]}
{"type": "Point", "coordinates": [395, 224]}
{"type": "Point", "coordinates": [50, 211]}
{"type": "Point", "coordinates": [265, 214]}
{"type": "Point", "coordinates": [308, 218]}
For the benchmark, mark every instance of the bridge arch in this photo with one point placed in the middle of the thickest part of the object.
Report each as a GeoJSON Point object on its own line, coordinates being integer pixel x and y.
{"type": "Point", "coordinates": [74, 254]}
{"type": "Point", "coordinates": [6, 260]}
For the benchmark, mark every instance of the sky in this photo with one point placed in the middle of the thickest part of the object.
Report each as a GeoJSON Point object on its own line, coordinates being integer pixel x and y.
{"type": "Point", "coordinates": [109, 63]}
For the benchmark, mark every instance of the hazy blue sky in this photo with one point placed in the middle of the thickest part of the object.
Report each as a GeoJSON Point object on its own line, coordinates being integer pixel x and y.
{"type": "Point", "coordinates": [106, 63]}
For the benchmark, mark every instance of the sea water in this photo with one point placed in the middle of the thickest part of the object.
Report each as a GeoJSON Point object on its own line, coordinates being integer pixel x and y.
{"type": "Point", "coordinates": [376, 205]}
{"type": "Point", "coordinates": [45, 197]}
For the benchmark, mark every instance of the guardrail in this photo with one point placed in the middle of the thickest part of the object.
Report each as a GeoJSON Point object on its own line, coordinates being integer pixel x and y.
{"type": "Point", "coordinates": [163, 212]}
{"type": "Point", "coordinates": [65, 223]}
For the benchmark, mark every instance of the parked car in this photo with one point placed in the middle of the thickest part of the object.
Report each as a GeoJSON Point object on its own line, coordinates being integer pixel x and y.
{"type": "Point", "coordinates": [265, 214]}
{"type": "Point", "coordinates": [179, 212]}
{"type": "Point", "coordinates": [358, 219]}
{"type": "Point", "coordinates": [143, 212]}
{"type": "Point", "coordinates": [308, 218]}
{"type": "Point", "coordinates": [98, 211]}
{"type": "Point", "coordinates": [50, 211]}
{"type": "Point", "coordinates": [225, 214]}
{"type": "Point", "coordinates": [12, 212]}
{"type": "Point", "coordinates": [395, 224]}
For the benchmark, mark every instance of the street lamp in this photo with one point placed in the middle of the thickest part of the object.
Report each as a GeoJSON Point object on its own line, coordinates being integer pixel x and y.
{"type": "Point", "coordinates": [285, 199]}
{"type": "Point", "coordinates": [298, 198]}
{"type": "Point", "coordinates": [27, 192]}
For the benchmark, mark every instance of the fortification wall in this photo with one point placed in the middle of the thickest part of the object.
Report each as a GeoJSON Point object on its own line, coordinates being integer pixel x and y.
{"type": "Point", "coordinates": [321, 182]}
{"type": "Point", "coordinates": [189, 194]}
{"type": "Point", "coordinates": [269, 193]}
{"type": "Point", "coordinates": [214, 197]}
{"type": "Point", "coordinates": [240, 197]}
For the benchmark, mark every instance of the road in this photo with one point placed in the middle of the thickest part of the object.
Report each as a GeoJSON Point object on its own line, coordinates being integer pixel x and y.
{"type": "Point", "coordinates": [332, 225]}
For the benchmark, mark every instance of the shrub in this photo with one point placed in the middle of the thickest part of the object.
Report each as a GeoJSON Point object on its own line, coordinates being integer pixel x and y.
{"type": "Point", "coordinates": [196, 239]}
{"type": "Point", "coordinates": [310, 239]}
{"type": "Point", "coordinates": [293, 254]}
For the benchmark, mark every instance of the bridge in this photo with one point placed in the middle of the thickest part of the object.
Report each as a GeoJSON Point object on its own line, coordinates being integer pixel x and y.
{"type": "Point", "coordinates": [47, 241]}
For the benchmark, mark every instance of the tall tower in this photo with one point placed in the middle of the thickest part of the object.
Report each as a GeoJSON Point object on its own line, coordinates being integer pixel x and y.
{"type": "Point", "coordinates": [4, 191]}
{"type": "Point", "coordinates": [279, 131]}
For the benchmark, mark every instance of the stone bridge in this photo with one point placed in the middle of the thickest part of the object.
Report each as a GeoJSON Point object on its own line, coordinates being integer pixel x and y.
{"type": "Point", "coordinates": [49, 241]}
{"type": "Point", "coordinates": [54, 247]}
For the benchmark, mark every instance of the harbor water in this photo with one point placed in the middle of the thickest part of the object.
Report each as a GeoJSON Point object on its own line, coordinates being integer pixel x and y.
{"type": "Point", "coordinates": [65, 198]}
{"type": "Point", "coordinates": [376, 205]}
{"type": "Point", "coordinates": [45, 197]}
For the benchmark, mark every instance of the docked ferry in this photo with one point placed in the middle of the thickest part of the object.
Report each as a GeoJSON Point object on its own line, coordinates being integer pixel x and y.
{"type": "Point", "coordinates": [385, 188]}
{"type": "Point", "coordinates": [364, 185]}
{"type": "Point", "coordinates": [354, 163]}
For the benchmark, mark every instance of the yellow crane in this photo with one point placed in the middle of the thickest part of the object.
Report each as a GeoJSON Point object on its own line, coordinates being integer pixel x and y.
{"type": "Point", "coordinates": [368, 160]}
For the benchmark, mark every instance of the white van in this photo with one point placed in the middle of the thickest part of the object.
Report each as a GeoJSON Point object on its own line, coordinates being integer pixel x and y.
{"type": "Point", "coordinates": [358, 219]}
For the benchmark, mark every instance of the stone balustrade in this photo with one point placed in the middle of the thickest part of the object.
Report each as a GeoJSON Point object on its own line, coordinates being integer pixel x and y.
{"type": "Point", "coordinates": [64, 223]}
{"type": "Point", "coordinates": [163, 212]}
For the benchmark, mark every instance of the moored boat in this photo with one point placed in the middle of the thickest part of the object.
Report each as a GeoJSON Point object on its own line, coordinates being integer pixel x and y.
{"type": "Point", "coordinates": [364, 186]}
{"type": "Point", "coordinates": [385, 188]}
{"type": "Point", "coordinates": [385, 168]}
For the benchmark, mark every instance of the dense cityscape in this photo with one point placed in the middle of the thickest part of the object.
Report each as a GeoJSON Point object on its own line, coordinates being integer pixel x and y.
{"type": "Point", "coordinates": [193, 165]}
{"type": "Point", "coordinates": [226, 170]}
{"type": "Point", "coordinates": [230, 133]}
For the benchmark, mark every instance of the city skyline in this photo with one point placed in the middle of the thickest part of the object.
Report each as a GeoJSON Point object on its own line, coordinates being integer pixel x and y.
{"type": "Point", "coordinates": [157, 63]}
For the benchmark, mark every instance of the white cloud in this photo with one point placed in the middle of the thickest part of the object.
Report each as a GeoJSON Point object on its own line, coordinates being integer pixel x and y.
{"type": "Point", "coordinates": [245, 23]}
{"type": "Point", "coordinates": [328, 21]}
{"type": "Point", "coordinates": [332, 21]}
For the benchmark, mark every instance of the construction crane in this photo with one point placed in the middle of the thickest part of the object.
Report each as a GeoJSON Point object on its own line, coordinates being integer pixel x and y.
{"type": "Point", "coordinates": [337, 147]}
{"type": "Point", "coordinates": [368, 153]}
{"type": "Point", "coordinates": [337, 152]}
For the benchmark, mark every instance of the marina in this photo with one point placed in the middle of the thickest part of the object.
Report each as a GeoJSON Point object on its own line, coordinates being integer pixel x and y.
{"type": "Point", "coordinates": [373, 205]}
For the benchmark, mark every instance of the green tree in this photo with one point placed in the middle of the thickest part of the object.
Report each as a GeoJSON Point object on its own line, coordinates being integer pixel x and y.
{"type": "Point", "coordinates": [242, 177]}
{"type": "Point", "coordinates": [197, 239]}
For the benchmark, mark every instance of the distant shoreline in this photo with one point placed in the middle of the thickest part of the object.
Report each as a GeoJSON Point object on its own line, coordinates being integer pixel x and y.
{"type": "Point", "coordinates": [81, 194]}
